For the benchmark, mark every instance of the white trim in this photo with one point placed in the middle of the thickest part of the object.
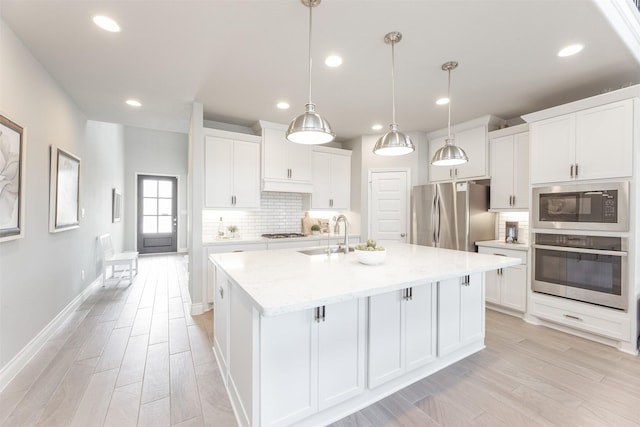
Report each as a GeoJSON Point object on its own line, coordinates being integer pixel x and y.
{"type": "Point", "coordinates": [197, 309]}
{"type": "Point", "coordinates": [20, 360]}
{"type": "Point", "coordinates": [406, 170]}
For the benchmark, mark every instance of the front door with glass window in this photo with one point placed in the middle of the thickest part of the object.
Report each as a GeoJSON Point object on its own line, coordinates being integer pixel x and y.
{"type": "Point", "coordinates": [157, 221]}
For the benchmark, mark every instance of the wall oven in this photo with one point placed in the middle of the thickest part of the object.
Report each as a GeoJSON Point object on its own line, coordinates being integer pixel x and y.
{"type": "Point", "coordinates": [601, 207]}
{"type": "Point", "coordinates": [591, 269]}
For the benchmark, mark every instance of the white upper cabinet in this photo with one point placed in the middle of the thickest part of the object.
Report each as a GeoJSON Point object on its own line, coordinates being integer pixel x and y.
{"type": "Point", "coordinates": [286, 166]}
{"type": "Point", "coordinates": [331, 178]}
{"type": "Point", "coordinates": [232, 165]}
{"type": "Point", "coordinates": [510, 168]}
{"type": "Point", "coordinates": [594, 143]}
{"type": "Point", "coordinates": [472, 137]}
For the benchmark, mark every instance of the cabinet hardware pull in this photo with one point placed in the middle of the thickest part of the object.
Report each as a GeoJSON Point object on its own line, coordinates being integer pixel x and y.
{"type": "Point", "coordinates": [317, 314]}
{"type": "Point", "coordinates": [576, 170]}
{"type": "Point", "coordinates": [456, 171]}
{"type": "Point", "coordinates": [410, 293]}
{"type": "Point", "coordinates": [514, 201]}
{"type": "Point", "coordinates": [571, 171]}
{"type": "Point", "coordinates": [569, 316]}
{"type": "Point", "coordinates": [324, 313]}
{"type": "Point", "coordinates": [466, 280]}
{"type": "Point", "coordinates": [221, 293]}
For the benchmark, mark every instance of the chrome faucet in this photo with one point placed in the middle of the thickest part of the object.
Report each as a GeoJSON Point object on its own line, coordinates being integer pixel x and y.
{"type": "Point", "coordinates": [336, 230]}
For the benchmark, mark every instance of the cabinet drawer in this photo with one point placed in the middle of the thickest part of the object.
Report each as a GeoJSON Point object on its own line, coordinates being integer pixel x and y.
{"type": "Point", "coordinates": [593, 319]}
{"type": "Point", "coordinates": [511, 253]}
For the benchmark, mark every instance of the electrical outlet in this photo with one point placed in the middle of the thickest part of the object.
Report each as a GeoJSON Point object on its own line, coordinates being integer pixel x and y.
{"type": "Point", "coordinates": [82, 275]}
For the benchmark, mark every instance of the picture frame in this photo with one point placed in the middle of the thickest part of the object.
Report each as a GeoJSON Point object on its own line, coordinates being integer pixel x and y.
{"type": "Point", "coordinates": [64, 185]}
{"type": "Point", "coordinates": [12, 166]}
{"type": "Point", "coordinates": [116, 206]}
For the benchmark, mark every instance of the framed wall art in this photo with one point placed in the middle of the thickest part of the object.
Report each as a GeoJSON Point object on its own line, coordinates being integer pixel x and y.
{"type": "Point", "coordinates": [64, 185]}
{"type": "Point", "coordinates": [116, 206]}
{"type": "Point", "coordinates": [12, 154]}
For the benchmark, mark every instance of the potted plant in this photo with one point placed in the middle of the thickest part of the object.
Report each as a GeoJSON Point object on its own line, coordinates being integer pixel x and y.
{"type": "Point", "coordinates": [315, 229]}
{"type": "Point", "coordinates": [233, 231]}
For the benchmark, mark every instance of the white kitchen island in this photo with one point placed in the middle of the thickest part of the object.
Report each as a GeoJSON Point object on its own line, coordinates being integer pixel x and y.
{"type": "Point", "coordinates": [308, 339]}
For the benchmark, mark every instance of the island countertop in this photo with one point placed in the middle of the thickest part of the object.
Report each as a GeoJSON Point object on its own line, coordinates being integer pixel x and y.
{"type": "Point", "coordinates": [285, 280]}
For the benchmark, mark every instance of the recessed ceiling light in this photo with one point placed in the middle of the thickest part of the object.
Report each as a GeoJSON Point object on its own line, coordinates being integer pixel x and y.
{"type": "Point", "coordinates": [106, 23]}
{"type": "Point", "coordinates": [570, 50]}
{"type": "Point", "coordinates": [282, 105]}
{"type": "Point", "coordinates": [442, 101]}
{"type": "Point", "coordinates": [376, 127]}
{"type": "Point", "coordinates": [133, 103]}
{"type": "Point", "coordinates": [333, 61]}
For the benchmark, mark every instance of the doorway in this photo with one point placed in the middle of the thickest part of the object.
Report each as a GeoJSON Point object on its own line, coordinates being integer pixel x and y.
{"type": "Point", "coordinates": [389, 205]}
{"type": "Point", "coordinates": [157, 214]}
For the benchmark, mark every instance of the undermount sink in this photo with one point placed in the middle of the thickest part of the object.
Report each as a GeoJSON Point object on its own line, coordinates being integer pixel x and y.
{"type": "Point", "coordinates": [323, 251]}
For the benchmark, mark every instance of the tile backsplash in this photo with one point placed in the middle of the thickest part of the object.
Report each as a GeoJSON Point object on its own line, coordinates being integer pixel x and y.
{"type": "Point", "coordinates": [523, 225]}
{"type": "Point", "coordinates": [279, 212]}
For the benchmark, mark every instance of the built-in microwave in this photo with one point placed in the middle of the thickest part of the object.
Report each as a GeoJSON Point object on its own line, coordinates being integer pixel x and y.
{"type": "Point", "coordinates": [598, 207]}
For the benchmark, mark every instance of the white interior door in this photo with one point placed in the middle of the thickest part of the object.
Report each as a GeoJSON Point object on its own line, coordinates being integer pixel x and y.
{"type": "Point", "coordinates": [389, 206]}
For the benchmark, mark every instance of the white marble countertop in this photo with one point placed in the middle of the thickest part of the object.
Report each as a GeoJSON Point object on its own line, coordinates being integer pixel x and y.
{"type": "Point", "coordinates": [260, 239]}
{"type": "Point", "coordinates": [503, 245]}
{"type": "Point", "coordinates": [284, 280]}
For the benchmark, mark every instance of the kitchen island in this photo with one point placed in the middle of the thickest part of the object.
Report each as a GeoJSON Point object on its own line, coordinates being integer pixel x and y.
{"type": "Point", "coordinates": [308, 339]}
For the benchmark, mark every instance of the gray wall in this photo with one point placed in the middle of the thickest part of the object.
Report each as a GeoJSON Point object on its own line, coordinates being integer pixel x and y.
{"type": "Point", "coordinates": [169, 157]}
{"type": "Point", "coordinates": [40, 274]}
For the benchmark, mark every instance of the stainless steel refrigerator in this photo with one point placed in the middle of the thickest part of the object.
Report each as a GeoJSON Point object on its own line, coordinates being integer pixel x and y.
{"type": "Point", "coordinates": [452, 215]}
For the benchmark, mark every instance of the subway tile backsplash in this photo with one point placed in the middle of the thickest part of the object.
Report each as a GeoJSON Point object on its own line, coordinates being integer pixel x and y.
{"type": "Point", "coordinates": [523, 225]}
{"type": "Point", "coordinates": [279, 212]}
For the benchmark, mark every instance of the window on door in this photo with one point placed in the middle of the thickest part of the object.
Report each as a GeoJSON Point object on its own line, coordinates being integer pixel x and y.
{"type": "Point", "coordinates": [157, 203]}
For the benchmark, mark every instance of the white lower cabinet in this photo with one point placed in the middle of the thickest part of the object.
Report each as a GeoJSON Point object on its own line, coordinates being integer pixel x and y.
{"type": "Point", "coordinates": [460, 316]}
{"type": "Point", "coordinates": [317, 363]}
{"type": "Point", "coordinates": [507, 287]}
{"type": "Point", "coordinates": [221, 321]}
{"type": "Point", "coordinates": [402, 332]}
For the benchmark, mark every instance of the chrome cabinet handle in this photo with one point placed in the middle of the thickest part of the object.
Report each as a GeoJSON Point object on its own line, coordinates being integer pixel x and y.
{"type": "Point", "coordinates": [221, 293]}
{"type": "Point", "coordinates": [576, 170]}
{"type": "Point", "coordinates": [569, 316]}
{"type": "Point", "coordinates": [320, 313]}
{"type": "Point", "coordinates": [403, 234]}
{"type": "Point", "coordinates": [572, 171]}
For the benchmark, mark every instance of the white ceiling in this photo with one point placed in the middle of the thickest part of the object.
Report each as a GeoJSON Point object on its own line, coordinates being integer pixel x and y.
{"type": "Point", "coordinates": [240, 57]}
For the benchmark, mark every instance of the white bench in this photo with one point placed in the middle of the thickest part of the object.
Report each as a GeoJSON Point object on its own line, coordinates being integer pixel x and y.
{"type": "Point", "coordinates": [129, 260]}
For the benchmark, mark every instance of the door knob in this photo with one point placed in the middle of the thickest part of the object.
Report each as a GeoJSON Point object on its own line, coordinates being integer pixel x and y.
{"type": "Point", "coordinates": [403, 234]}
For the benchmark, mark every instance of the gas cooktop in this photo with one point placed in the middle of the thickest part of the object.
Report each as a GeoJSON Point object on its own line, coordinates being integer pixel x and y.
{"type": "Point", "coordinates": [282, 235]}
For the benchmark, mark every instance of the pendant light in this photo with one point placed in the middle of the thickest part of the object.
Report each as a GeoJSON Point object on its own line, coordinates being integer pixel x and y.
{"type": "Point", "coordinates": [310, 127]}
{"type": "Point", "coordinates": [450, 154]}
{"type": "Point", "coordinates": [393, 143]}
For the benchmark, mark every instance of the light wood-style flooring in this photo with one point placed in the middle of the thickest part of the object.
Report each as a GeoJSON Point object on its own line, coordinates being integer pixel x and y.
{"type": "Point", "coordinates": [133, 355]}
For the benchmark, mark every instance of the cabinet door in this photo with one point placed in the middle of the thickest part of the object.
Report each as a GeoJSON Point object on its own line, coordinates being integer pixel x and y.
{"type": "Point", "coordinates": [246, 174]}
{"type": "Point", "coordinates": [449, 325]}
{"type": "Point", "coordinates": [341, 352]}
{"type": "Point", "coordinates": [513, 287]}
{"type": "Point", "coordinates": [604, 141]}
{"type": "Point", "coordinates": [321, 196]}
{"type": "Point", "coordinates": [552, 149]}
{"type": "Point", "coordinates": [492, 283]}
{"type": "Point", "coordinates": [474, 143]}
{"type": "Point", "coordinates": [472, 309]}
{"type": "Point", "coordinates": [502, 172]}
{"type": "Point", "coordinates": [438, 173]}
{"type": "Point", "coordinates": [276, 158]}
{"type": "Point", "coordinates": [300, 162]}
{"type": "Point", "coordinates": [420, 321]}
{"type": "Point", "coordinates": [520, 170]}
{"type": "Point", "coordinates": [385, 337]}
{"type": "Point", "coordinates": [288, 368]}
{"type": "Point", "coordinates": [218, 154]}
{"type": "Point", "coordinates": [221, 322]}
{"type": "Point", "coordinates": [340, 182]}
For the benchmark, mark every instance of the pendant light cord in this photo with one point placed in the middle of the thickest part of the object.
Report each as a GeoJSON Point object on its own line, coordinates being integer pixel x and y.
{"type": "Point", "coordinates": [449, 96]}
{"type": "Point", "coordinates": [393, 82]}
{"type": "Point", "coordinates": [310, 60]}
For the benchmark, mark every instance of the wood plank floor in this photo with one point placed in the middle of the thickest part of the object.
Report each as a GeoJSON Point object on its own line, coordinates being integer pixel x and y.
{"type": "Point", "coordinates": [132, 355]}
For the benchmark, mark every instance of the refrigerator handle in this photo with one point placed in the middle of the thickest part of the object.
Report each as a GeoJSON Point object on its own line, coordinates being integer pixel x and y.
{"type": "Point", "coordinates": [434, 206]}
{"type": "Point", "coordinates": [436, 223]}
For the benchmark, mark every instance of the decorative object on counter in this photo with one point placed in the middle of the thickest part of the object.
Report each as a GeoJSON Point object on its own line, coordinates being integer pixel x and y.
{"type": "Point", "coordinates": [282, 235]}
{"type": "Point", "coordinates": [511, 232]}
{"type": "Point", "coordinates": [233, 231]}
{"type": "Point", "coordinates": [220, 229]}
{"type": "Point", "coordinates": [450, 154]}
{"type": "Point", "coordinates": [393, 143]}
{"type": "Point", "coordinates": [370, 253]}
{"type": "Point", "coordinates": [310, 127]}
{"type": "Point", "coordinates": [315, 229]}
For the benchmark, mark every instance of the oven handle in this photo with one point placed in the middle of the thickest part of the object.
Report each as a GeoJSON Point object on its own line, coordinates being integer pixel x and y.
{"type": "Point", "coordinates": [581, 250]}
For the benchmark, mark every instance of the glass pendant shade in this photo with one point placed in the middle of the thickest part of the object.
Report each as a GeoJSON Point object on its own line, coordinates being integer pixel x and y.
{"type": "Point", "coordinates": [449, 155]}
{"type": "Point", "coordinates": [310, 128]}
{"type": "Point", "coordinates": [393, 143]}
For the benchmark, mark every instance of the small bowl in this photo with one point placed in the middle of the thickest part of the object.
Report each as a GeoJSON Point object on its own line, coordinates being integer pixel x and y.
{"type": "Point", "coordinates": [370, 257]}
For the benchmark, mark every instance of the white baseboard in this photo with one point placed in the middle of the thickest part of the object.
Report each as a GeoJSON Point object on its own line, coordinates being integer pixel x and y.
{"type": "Point", "coordinates": [197, 309]}
{"type": "Point", "coordinates": [20, 360]}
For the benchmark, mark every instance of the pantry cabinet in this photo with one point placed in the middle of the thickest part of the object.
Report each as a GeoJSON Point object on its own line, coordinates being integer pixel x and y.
{"type": "Point", "coordinates": [286, 166]}
{"type": "Point", "coordinates": [506, 288]}
{"type": "Point", "coordinates": [232, 164]}
{"type": "Point", "coordinates": [461, 318]}
{"type": "Point", "coordinates": [402, 334]}
{"type": "Point", "coordinates": [318, 363]}
{"type": "Point", "coordinates": [510, 168]}
{"type": "Point", "coordinates": [331, 178]}
{"type": "Point", "coordinates": [594, 143]}
{"type": "Point", "coordinates": [472, 137]}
